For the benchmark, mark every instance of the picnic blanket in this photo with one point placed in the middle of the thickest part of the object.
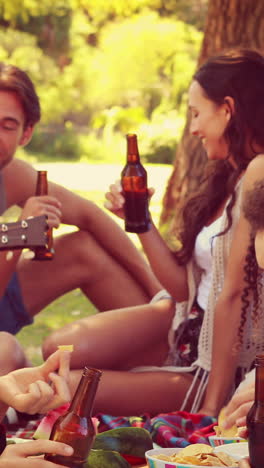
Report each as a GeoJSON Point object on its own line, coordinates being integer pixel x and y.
{"type": "Point", "coordinates": [176, 429]}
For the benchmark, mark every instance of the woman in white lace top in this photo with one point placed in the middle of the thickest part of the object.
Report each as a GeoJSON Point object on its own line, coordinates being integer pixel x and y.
{"type": "Point", "coordinates": [159, 357]}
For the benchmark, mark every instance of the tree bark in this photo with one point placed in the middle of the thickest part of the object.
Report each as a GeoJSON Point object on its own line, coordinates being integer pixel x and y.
{"type": "Point", "coordinates": [229, 23]}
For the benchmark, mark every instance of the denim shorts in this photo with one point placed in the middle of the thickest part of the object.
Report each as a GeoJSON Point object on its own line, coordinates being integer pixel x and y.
{"type": "Point", "coordinates": [13, 314]}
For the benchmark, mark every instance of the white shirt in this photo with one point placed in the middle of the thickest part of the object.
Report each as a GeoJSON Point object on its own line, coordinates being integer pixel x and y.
{"type": "Point", "coordinates": [203, 256]}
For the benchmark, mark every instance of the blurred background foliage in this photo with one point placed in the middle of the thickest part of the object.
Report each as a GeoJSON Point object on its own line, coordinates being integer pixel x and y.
{"type": "Point", "coordinates": [103, 68]}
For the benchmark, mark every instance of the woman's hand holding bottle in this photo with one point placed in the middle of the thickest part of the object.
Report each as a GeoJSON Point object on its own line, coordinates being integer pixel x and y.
{"type": "Point", "coordinates": [115, 199]}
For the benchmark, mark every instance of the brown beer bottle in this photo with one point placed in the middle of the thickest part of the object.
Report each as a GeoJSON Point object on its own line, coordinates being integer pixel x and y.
{"type": "Point", "coordinates": [255, 418]}
{"type": "Point", "coordinates": [135, 190]}
{"type": "Point", "coordinates": [76, 427]}
{"type": "Point", "coordinates": [47, 252]}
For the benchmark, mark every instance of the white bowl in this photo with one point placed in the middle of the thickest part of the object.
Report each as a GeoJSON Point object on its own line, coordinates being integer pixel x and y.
{"type": "Point", "coordinates": [234, 450]}
{"type": "Point", "coordinates": [156, 463]}
{"type": "Point", "coordinates": [215, 441]}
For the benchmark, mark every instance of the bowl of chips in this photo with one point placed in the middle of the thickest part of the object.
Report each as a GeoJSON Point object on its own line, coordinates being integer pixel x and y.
{"type": "Point", "coordinates": [215, 441]}
{"type": "Point", "coordinates": [191, 456]}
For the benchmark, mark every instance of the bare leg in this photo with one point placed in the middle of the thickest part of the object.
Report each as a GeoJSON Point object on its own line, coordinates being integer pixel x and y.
{"type": "Point", "coordinates": [11, 356]}
{"type": "Point", "coordinates": [126, 393]}
{"type": "Point", "coordinates": [120, 339]}
{"type": "Point", "coordinates": [80, 261]}
{"type": "Point", "coordinates": [134, 393]}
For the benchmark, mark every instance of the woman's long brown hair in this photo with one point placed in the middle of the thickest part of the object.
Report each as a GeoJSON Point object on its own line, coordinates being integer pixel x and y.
{"type": "Point", "coordinates": [239, 74]}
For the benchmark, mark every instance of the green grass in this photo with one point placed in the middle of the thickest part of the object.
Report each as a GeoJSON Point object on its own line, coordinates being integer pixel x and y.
{"type": "Point", "coordinates": [73, 305]}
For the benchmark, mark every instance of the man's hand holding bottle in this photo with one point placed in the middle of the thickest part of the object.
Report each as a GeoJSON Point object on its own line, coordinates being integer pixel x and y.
{"type": "Point", "coordinates": [27, 455]}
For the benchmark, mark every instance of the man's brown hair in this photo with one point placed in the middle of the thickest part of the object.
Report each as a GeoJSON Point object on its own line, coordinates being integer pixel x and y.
{"type": "Point", "coordinates": [16, 80]}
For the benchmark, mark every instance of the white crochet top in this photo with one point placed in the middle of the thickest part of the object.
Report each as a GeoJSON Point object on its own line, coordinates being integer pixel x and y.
{"type": "Point", "coordinates": [252, 342]}
{"type": "Point", "coordinates": [203, 249]}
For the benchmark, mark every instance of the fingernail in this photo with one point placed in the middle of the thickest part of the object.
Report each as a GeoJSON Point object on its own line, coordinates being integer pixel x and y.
{"type": "Point", "coordinates": [68, 449]}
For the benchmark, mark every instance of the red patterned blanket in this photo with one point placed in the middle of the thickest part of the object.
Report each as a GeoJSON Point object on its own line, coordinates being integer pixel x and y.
{"type": "Point", "coordinates": [176, 429]}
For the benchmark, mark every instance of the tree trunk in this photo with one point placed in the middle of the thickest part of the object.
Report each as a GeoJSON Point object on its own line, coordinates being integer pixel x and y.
{"type": "Point", "coordinates": [229, 23]}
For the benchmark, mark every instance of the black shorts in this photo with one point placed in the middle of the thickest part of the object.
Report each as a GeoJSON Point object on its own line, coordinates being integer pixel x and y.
{"type": "Point", "coordinates": [13, 314]}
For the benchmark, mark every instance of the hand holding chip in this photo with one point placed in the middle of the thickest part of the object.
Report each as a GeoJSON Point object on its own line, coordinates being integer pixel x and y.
{"type": "Point", "coordinates": [239, 406]}
{"type": "Point", "coordinates": [224, 429]}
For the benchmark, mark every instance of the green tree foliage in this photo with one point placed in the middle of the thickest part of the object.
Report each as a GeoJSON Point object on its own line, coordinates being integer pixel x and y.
{"type": "Point", "coordinates": [102, 11]}
{"type": "Point", "coordinates": [142, 60]}
{"type": "Point", "coordinates": [101, 69]}
{"type": "Point", "coordinates": [137, 73]}
{"type": "Point", "coordinates": [12, 11]}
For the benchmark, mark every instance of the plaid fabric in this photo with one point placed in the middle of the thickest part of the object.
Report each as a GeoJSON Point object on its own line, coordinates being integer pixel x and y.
{"type": "Point", "coordinates": [176, 429]}
{"type": "Point", "coordinates": [23, 432]}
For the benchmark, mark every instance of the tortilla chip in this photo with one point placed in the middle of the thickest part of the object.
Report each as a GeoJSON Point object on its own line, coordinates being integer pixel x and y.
{"type": "Point", "coordinates": [190, 460]}
{"type": "Point", "coordinates": [163, 457]}
{"type": "Point", "coordinates": [196, 449]}
{"type": "Point", "coordinates": [225, 458]}
{"type": "Point", "coordinates": [231, 432]}
{"type": "Point", "coordinates": [65, 347]}
{"type": "Point", "coordinates": [212, 461]}
{"type": "Point", "coordinates": [217, 430]}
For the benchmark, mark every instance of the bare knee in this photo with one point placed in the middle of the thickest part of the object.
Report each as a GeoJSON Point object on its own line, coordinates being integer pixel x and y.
{"type": "Point", "coordinates": [166, 308]}
{"type": "Point", "coordinates": [83, 248]}
{"type": "Point", "coordinates": [12, 355]}
{"type": "Point", "coordinates": [69, 334]}
{"type": "Point", "coordinates": [50, 345]}
{"type": "Point", "coordinates": [86, 336]}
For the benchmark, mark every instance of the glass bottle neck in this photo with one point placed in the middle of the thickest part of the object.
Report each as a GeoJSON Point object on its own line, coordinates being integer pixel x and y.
{"type": "Point", "coordinates": [259, 384]}
{"type": "Point", "coordinates": [83, 400]}
{"type": "Point", "coordinates": [42, 183]}
{"type": "Point", "coordinates": [132, 149]}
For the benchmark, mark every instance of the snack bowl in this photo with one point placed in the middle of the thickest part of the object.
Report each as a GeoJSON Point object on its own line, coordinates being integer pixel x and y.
{"type": "Point", "coordinates": [234, 450]}
{"type": "Point", "coordinates": [215, 441]}
{"type": "Point", "coordinates": [157, 463]}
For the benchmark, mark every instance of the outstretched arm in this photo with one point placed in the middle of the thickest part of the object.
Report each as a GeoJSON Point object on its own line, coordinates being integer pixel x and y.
{"type": "Point", "coordinates": [171, 275]}
{"type": "Point", "coordinates": [65, 206]}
